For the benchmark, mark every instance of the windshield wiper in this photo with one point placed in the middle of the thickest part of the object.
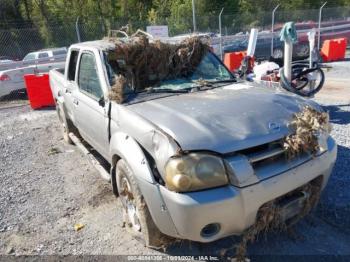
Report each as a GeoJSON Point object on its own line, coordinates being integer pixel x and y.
{"type": "Point", "coordinates": [231, 80]}
{"type": "Point", "coordinates": [165, 90]}
{"type": "Point", "coordinates": [207, 85]}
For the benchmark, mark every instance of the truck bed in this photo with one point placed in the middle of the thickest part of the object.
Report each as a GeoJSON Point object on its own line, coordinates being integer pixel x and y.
{"type": "Point", "coordinates": [56, 81]}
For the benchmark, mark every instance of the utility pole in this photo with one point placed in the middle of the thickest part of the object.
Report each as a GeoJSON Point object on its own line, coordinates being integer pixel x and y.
{"type": "Point", "coordinates": [77, 29]}
{"type": "Point", "coordinates": [194, 17]}
{"type": "Point", "coordinates": [220, 32]}
{"type": "Point", "coordinates": [319, 26]}
{"type": "Point", "coordinates": [273, 27]}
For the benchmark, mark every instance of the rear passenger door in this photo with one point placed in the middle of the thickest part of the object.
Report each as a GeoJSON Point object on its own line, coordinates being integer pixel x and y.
{"type": "Point", "coordinates": [90, 111]}
{"type": "Point", "coordinates": [71, 84]}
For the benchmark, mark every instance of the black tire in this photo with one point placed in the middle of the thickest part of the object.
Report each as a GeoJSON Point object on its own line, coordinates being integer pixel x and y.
{"type": "Point", "coordinates": [298, 68]}
{"type": "Point", "coordinates": [66, 129]}
{"type": "Point", "coordinates": [301, 90]}
{"type": "Point", "coordinates": [148, 232]}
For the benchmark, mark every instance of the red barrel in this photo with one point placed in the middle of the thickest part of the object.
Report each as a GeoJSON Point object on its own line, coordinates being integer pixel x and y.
{"type": "Point", "coordinates": [334, 49]}
{"type": "Point", "coordinates": [39, 91]}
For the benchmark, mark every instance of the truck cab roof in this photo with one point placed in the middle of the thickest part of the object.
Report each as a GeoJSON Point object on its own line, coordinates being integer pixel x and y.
{"type": "Point", "coordinates": [98, 44]}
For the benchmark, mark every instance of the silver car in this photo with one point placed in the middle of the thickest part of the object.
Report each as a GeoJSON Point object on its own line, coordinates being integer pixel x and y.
{"type": "Point", "coordinates": [188, 160]}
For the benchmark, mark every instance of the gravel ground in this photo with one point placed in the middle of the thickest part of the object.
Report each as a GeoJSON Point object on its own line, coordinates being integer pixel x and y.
{"type": "Point", "coordinates": [47, 186]}
{"type": "Point", "coordinates": [336, 87]}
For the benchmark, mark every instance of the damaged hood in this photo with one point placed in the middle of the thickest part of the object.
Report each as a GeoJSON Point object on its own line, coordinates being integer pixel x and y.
{"type": "Point", "coordinates": [223, 119]}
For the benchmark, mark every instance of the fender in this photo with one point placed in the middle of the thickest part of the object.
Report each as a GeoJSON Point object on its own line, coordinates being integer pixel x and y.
{"type": "Point", "coordinates": [124, 146]}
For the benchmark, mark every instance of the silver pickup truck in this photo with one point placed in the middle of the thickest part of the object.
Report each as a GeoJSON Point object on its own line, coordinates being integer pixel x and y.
{"type": "Point", "coordinates": [188, 161]}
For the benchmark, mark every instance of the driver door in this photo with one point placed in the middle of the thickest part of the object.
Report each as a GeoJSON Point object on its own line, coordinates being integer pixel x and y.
{"type": "Point", "coordinates": [90, 110]}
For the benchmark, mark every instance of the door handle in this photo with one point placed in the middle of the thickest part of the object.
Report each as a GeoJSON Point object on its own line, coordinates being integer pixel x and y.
{"type": "Point", "coordinates": [68, 91]}
{"type": "Point", "coordinates": [75, 101]}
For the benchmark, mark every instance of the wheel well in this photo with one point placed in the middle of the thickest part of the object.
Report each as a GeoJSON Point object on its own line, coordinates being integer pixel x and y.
{"type": "Point", "coordinates": [70, 125]}
{"type": "Point", "coordinates": [151, 162]}
{"type": "Point", "coordinates": [115, 159]}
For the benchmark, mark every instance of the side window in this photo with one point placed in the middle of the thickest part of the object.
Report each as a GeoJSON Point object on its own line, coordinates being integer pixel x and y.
{"type": "Point", "coordinates": [43, 55]}
{"type": "Point", "coordinates": [88, 78]}
{"type": "Point", "coordinates": [30, 56]}
{"type": "Point", "coordinates": [59, 52]}
{"type": "Point", "coordinates": [72, 65]}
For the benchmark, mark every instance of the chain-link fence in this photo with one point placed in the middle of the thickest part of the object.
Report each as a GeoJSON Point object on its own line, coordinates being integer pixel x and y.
{"type": "Point", "coordinates": [16, 43]}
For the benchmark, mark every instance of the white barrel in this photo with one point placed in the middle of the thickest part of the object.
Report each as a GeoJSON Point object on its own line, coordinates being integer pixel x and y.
{"type": "Point", "coordinates": [252, 42]}
{"type": "Point", "coordinates": [288, 56]}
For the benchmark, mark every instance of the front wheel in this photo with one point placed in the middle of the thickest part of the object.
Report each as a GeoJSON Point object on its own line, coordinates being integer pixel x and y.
{"type": "Point", "coordinates": [136, 215]}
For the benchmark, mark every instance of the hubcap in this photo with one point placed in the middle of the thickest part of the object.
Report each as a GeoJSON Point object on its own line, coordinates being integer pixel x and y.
{"type": "Point", "coordinates": [304, 50]}
{"type": "Point", "coordinates": [129, 205]}
{"type": "Point", "coordinates": [277, 53]}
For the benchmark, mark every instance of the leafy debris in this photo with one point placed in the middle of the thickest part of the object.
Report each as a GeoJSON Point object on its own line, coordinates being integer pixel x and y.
{"type": "Point", "coordinates": [269, 218]}
{"type": "Point", "coordinates": [140, 63]}
{"type": "Point", "coordinates": [54, 151]}
{"type": "Point", "coordinates": [118, 89]}
{"type": "Point", "coordinates": [78, 226]}
{"type": "Point", "coordinates": [307, 126]}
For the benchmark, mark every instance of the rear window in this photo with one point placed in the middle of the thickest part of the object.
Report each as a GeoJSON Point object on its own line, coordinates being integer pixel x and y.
{"type": "Point", "coordinates": [43, 55]}
{"type": "Point", "coordinates": [59, 52]}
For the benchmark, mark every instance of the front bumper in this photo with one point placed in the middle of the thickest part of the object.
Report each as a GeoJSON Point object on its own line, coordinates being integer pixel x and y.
{"type": "Point", "coordinates": [235, 209]}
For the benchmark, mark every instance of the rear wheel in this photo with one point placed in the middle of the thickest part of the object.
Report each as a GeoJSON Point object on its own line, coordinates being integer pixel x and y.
{"type": "Point", "coordinates": [136, 215]}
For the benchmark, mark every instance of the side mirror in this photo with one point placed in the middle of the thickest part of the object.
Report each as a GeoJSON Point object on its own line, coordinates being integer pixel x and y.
{"type": "Point", "coordinates": [102, 102]}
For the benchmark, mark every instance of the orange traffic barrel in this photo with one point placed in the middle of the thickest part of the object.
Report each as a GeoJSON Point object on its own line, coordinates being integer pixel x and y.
{"type": "Point", "coordinates": [334, 49]}
{"type": "Point", "coordinates": [233, 60]}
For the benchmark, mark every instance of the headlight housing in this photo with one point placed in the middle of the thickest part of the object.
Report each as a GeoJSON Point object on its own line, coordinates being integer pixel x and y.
{"type": "Point", "coordinates": [194, 171]}
{"type": "Point", "coordinates": [322, 138]}
{"type": "Point", "coordinates": [323, 134]}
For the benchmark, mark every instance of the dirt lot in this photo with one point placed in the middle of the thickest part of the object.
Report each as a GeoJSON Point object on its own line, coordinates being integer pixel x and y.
{"type": "Point", "coordinates": [48, 186]}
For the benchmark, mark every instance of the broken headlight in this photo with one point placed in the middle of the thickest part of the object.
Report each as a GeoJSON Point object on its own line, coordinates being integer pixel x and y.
{"type": "Point", "coordinates": [194, 171]}
{"type": "Point", "coordinates": [323, 134]}
{"type": "Point", "coordinates": [322, 138]}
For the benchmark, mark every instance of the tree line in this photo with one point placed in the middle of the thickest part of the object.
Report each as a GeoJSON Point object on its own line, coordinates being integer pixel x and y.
{"type": "Point", "coordinates": [24, 13]}
{"type": "Point", "coordinates": [55, 19]}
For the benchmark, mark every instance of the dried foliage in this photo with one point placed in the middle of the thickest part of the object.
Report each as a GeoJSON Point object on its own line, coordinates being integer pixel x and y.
{"type": "Point", "coordinates": [307, 125]}
{"type": "Point", "coordinates": [269, 216]}
{"type": "Point", "coordinates": [268, 219]}
{"type": "Point", "coordinates": [144, 63]}
{"type": "Point", "coordinates": [313, 189]}
{"type": "Point", "coordinates": [118, 89]}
